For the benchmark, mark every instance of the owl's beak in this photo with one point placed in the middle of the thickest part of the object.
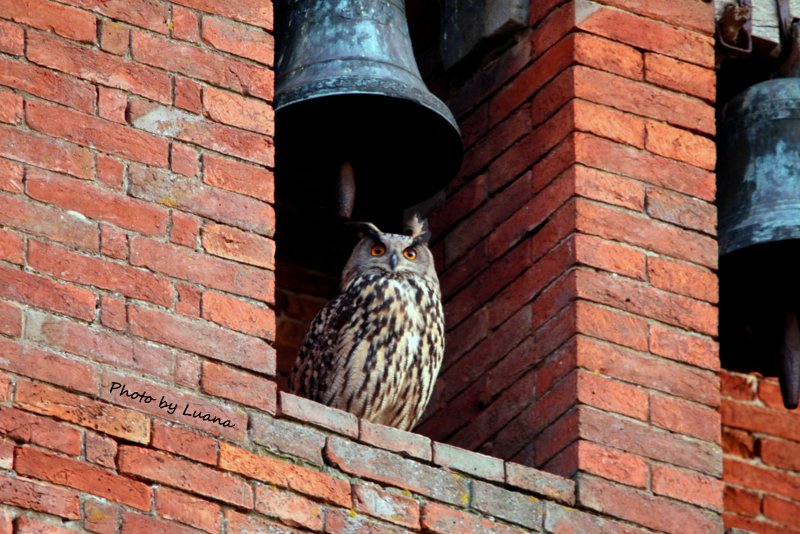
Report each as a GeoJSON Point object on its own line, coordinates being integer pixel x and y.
{"type": "Point", "coordinates": [393, 261]}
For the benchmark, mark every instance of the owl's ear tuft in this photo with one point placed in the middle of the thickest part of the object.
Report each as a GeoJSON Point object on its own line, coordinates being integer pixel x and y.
{"type": "Point", "coordinates": [366, 229]}
{"type": "Point", "coordinates": [417, 228]}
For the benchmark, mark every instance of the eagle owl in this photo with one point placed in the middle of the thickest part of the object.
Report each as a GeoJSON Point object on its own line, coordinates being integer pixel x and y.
{"type": "Point", "coordinates": [375, 349]}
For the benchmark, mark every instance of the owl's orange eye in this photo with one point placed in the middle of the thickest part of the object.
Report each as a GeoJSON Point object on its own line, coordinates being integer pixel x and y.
{"type": "Point", "coordinates": [378, 250]}
{"type": "Point", "coordinates": [410, 253]}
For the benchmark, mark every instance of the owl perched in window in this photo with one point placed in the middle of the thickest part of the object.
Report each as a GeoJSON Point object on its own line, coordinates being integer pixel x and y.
{"type": "Point", "coordinates": [376, 349]}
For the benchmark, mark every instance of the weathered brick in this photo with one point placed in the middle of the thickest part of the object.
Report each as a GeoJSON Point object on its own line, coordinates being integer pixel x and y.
{"type": "Point", "coordinates": [611, 325]}
{"type": "Point", "coordinates": [12, 247]}
{"type": "Point", "coordinates": [10, 319]}
{"type": "Point", "coordinates": [149, 14]}
{"type": "Point", "coordinates": [165, 469]}
{"type": "Point", "coordinates": [238, 177]}
{"type": "Point", "coordinates": [114, 37]}
{"type": "Point", "coordinates": [780, 453]}
{"type": "Point", "coordinates": [94, 132]}
{"type": "Point", "coordinates": [679, 76]}
{"type": "Point", "coordinates": [608, 122]}
{"type": "Point", "coordinates": [741, 501]}
{"type": "Point", "coordinates": [101, 450]}
{"type": "Point", "coordinates": [612, 395]}
{"type": "Point", "coordinates": [115, 349]}
{"type": "Point", "coordinates": [338, 521]}
{"type": "Point", "coordinates": [685, 347]}
{"type": "Point", "coordinates": [738, 443]}
{"type": "Point", "coordinates": [203, 338]}
{"type": "Point", "coordinates": [568, 520]}
{"type": "Point", "coordinates": [683, 278]}
{"type": "Point", "coordinates": [112, 104]}
{"type": "Point", "coordinates": [739, 386]}
{"type": "Point", "coordinates": [682, 210]}
{"type": "Point", "coordinates": [40, 497]}
{"type": "Point", "coordinates": [100, 516]}
{"type": "Point", "coordinates": [288, 438]}
{"type": "Point", "coordinates": [30, 525]}
{"type": "Point", "coordinates": [187, 371]}
{"type": "Point", "coordinates": [185, 25]}
{"type": "Point", "coordinates": [682, 13]}
{"type": "Point", "coordinates": [472, 463]}
{"type": "Point", "coordinates": [185, 229]}
{"type": "Point", "coordinates": [183, 407]}
{"type": "Point", "coordinates": [675, 143]}
{"type": "Point", "coordinates": [6, 455]}
{"type": "Point", "coordinates": [78, 475]}
{"type": "Point", "coordinates": [101, 68]}
{"type": "Point", "coordinates": [325, 416]}
{"type": "Point", "coordinates": [189, 297]}
{"type": "Point", "coordinates": [444, 520]}
{"type": "Point", "coordinates": [781, 510]}
{"type": "Point", "coordinates": [64, 20]}
{"type": "Point", "coordinates": [11, 175]}
{"type": "Point", "coordinates": [52, 154]}
{"type": "Point", "coordinates": [688, 486]}
{"type": "Point", "coordinates": [608, 56]}
{"type": "Point", "coordinates": [132, 523]}
{"type": "Point", "coordinates": [11, 107]}
{"type": "Point", "coordinates": [234, 244]}
{"type": "Point", "coordinates": [188, 194]}
{"type": "Point", "coordinates": [238, 39]}
{"type": "Point", "coordinates": [189, 510]}
{"type": "Point", "coordinates": [5, 387]}
{"type": "Point", "coordinates": [290, 508]}
{"type": "Point", "coordinates": [239, 315]}
{"type": "Point", "coordinates": [389, 468]}
{"type": "Point", "coordinates": [205, 65]}
{"type": "Point", "coordinates": [284, 474]}
{"type": "Point", "coordinates": [779, 423]}
{"type": "Point", "coordinates": [511, 506]}
{"type": "Point", "coordinates": [238, 386]}
{"type": "Point", "coordinates": [393, 439]}
{"type": "Point", "coordinates": [609, 188]}
{"type": "Point", "coordinates": [248, 11]}
{"type": "Point", "coordinates": [184, 441]}
{"type": "Point", "coordinates": [113, 242]}
{"type": "Point", "coordinates": [12, 38]}
{"type": "Point", "coordinates": [48, 400]}
{"type": "Point", "coordinates": [188, 95]}
{"type": "Point", "coordinates": [248, 523]}
{"type": "Point", "coordinates": [45, 221]}
{"type": "Point", "coordinates": [612, 464]}
{"type": "Point", "coordinates": [183, 159]}
{"type": "Point", "coordinates": [384, 505]}
{"type": "Point", "coordinates": [29, 428]}
{"type": "Point", "coordinates": [764, 478]}
{"type": "Point", "coordinates": [110, 171]}
{"type": "Point", "coordinates": [86, 270]}
{"type": "Point", "coordinates": [44, 365]}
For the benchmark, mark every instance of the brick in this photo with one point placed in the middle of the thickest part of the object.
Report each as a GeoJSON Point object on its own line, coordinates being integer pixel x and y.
{"type": "Point", "coordinates": [683, 13]}
{"type": "Point", "coordinates": [185, 229]}
{"type": "Point", "coordinates": [101, 68]}
{"type": "Point", "coordinates": [29, 525]}
{"type": "Point", "coordinates": [608, 56]}
{"type": "Point", "coordinates": [76, 474]}
{"type": "Point", "coordinates": [682, 211]}
{"type": "Point", "coordinates": [611, 325]}
{"type": "Point", "coordinates": [648, 34]}
{"type": "Point", "coordinates": [183, 407]}
{"type": "Point", "coordinates": [189, 297]}
{"type": "Point", "coordinates": [11, 105]}
{"type": "Point", "coordinates": [100, 517]}
{"type": "Point", "coordinates": [385, 467]}
{"type": "Point", "coordinates": [74, 267]}
{"type": "Point", "coordinates": [678, 144]}
{"type": "Point", "coordinates": [247, 113]}
{"type": "Point", "coordinates": [113, 242]}
{"type": "Point", "coordinates": [317, 414]}
{"type": "Point", "coordinates": [239, 315]}
{"type": "Point", "coordinates": [148, 14]}
{"type": "Point", "coordinates": [93, 132]}
{"type": "Point", "coordinates": [101, 450]}
{"type": "Point", "coordinates": [112, 104]}
{"type": "Point", "coordinates": [66, 21]}
{"type": "Point", "coordinates": [10, 320]}
{"type": "Point", "coordinates": [679, 76]}
{"type": "Point", "coordinates": [5, 387]}
{"type": "Point", "coordinates": [205, 65]}
{"type": "Point", "coordinates": [114, 37]}
{"type": "Point", "coordinates": [11, 175]}
{"type": "Point", "coordinates": [100, 345]}
{"type": "Point", "coordinates": [234, 244]}
{"type": "Point", "coordinates": [657, 237]}
{"type": "Point", "coordinates": [187, 371]}
{"type": "Point", "coordinates": [683, 278]}
{"type": "Point", "coordinates": [744, 525]}
{"type": "Point", "coordinates": [688, 486]}
{"type": "Point", "coordinates": [741, 501]}
{"type": "Point", "coordinates": [30, 428]}
{"type": "Point", "coordinates": [511, 506]}
{"type": "Point", "coordinates": [769, 391]}
{"type": "Point", "coordinates": [609, 188]}
{"type": "Point", "coordinates": [185, 442]}
{"type": "Point", "coordinates": [48, 84]}
{"type": "Point", "coordinates": [290, 508]}
{"type": "Point", "coordinates": [612, 395]}
{"type": "Point", "coordinates": [47, 400]}
{"type": "Point", "coordinates": [165, 469]}
{"type": "Point", "coordinates": [133, 523]}
{"type": "Point", "coordinates": [249, 523]}
{"type": "Point", "coordinates": [40, 497]}
{"type": "Point", "coordinates": [646, 100]}
{"type": "Point", "coordinates": [185, 25]}
{"type": "Point", "coordinates": [338, 521]}
{"type": "Point", "coordinates": [189, 195]}
{"type": "Point", "coordinates": [200, 268]}
{"type": "Point", "coordinates": [779, 423]}
{"type": "Point", "coordinates": [285, 475]}
{"type": "Point", "coordinates": [780, 453]}
{"type": "Point", "coordinates": [203, 338]}
{"type": "Point", "coordinates": [44, 293]}
{"type": "Point", "coordinates": [12, 247]}
{"type": "Point", "coordinates": [238, 177]}
{"type": "Point", "coordinates": [12, 38]}
{"type": "Point", "coordinates": [44, 365]}
{"type": "Point", "coordinates": [188, 95]}
{"type": "Point", "coordinates": [387, 506]}
{"type": "Point", "coordinates": [781, 510]}
{"type": "Point", "coordinates": [238, 386]}
{"type": "Point", "coordinates": [248, 11]}
{"type": "Point", "coordinates": [6, 454]}
{"type": "Point", "coordinates": [110, 171]}
{"type": "Point", "coordinates": [443, 520]}
{"type": "Point", "coordinates": [45, 221]}
{"type": "Point", "coordinates": [183, 159]}
{"type": "Point", "coordinates": [546, 484]}
{"type": "Point", "coordinates": [608, 122]}
{"type": "Point", "coordinates": [176, 123]}
{"type": "Point", "coordinates": [684, 347]}
{"type": "Point", "coordinates": [738, 443]}
{"type": "Point", "coordinates": [645, 509]}
{"type": "Point", "coordinates": [609, 256]}
{"type": "Point", "coordinates": [189, 510]}
{"type": "Point", "coordinates": [469, 462]}
{"type": "Point", "coordinates": [240, 40]}
{"type": "Point", "coordinates": [739, 386]}
{"type": "Point", "coordinates": [612, 464]}
{"type": "Point", "coordinates": [569, 520]}
{"type": "Point", "coordinates": [287, 437]}
{"type": "Point", "coordinates": [44, 152]}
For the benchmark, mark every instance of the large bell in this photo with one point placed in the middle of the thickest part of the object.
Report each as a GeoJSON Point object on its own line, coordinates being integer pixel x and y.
{"type": "Point", "coordinates": [349, 90]}
{"type": "Point", "coordinates": [759, 231]}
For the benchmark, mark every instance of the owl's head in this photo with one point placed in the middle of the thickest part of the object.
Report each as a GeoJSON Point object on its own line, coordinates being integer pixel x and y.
{"type": "Point", "coordinates": [392, 254]}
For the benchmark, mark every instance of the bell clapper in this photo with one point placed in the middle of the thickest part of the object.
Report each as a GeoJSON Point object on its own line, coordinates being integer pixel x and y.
{"type": "Point", "coordinates": [346, 191]}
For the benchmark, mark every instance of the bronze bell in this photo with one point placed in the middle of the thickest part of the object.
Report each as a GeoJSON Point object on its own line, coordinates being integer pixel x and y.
{"type": "Point", "coordinates": [348, 90]}
{"type": "Point", "coordinates": [759, 230]}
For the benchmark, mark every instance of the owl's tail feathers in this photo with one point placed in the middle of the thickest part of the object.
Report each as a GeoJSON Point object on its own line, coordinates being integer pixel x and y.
{"type": "Point", "coordinates": [417, 228]}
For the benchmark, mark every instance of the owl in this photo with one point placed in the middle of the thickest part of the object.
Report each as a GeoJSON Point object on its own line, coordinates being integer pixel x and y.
{"type": "Point", "coordinates": [375, 350]}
